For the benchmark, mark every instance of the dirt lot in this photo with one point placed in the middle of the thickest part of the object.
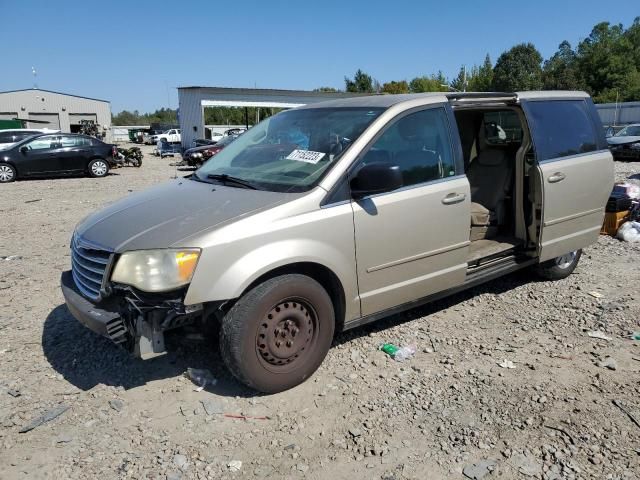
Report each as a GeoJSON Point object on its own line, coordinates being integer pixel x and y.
{"type": "Point", "coordinates": [362, 415]}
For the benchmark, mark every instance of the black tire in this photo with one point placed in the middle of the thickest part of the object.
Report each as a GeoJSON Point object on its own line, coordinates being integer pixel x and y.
{"type": "Point", "coordinates": [559, 267]}
{"type": "Point", "coordinates": [98, 168]}
{"type": "Point", "coordinates": [138, 163]}
{"type": "Point", "coordinates": [278, 333]}
{"type": "Point", "coordinates": [8, 173]}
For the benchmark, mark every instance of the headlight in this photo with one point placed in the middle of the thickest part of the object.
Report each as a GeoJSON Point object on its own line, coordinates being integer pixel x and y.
{"type": "Point", "coordinates": [635, 146]}
{"type": "Point", "coordinates": [156, 270]}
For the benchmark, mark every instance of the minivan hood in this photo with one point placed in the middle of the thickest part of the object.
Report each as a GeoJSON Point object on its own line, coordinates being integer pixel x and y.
{"type": "Point", "coordinates": [623, 140]}
{"type": "Point", "coordinates": [163, 215]}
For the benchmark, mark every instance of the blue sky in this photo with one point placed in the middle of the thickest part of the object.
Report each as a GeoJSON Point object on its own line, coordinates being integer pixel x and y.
{"type": "Point", "coordinates": [135, 53]}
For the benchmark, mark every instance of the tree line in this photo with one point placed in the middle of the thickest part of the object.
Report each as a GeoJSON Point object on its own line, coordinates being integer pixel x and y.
{"type": "Point", "coordinates": [212, 116]}
{"type": "Point", "coordinates": [606, 64]}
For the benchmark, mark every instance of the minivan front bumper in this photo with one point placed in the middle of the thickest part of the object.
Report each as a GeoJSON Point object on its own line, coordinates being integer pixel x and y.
{"type": "Point", "coordinates": [107, 321]}
{"type": "Point", "coordinates": [135, 324]}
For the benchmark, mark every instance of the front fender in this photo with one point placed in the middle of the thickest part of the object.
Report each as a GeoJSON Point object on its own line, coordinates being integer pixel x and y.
{"type": "Point", "coordinates": [213, 283]}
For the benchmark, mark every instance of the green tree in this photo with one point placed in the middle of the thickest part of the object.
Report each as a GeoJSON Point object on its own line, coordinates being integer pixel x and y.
{"type": "Point", "coordinates": [395, 87]}
{"type": "Point", "coordinates": [560, 72]}
{"type": "Point", "coordinates": [461, 82]}
{"type": "Point", "coordinates": [361, 83]}
{"type": "Point", "coordinates": [433, 83]}
{"type": "Point", "coordinates": [606, 62]}
{"type": "Point", "coordinates": [518, 69]}
{"type": "Point", "coordinates": [126, 117]}
{"type": "Point", "coordinates": [481, 79]}
{"type": "Point", "coordinates": [326, 89]}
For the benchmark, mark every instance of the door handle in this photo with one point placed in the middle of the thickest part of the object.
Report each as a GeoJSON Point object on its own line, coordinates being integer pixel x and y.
{"type": "Point", "coordinates": [453, 198]}
{"type": "Point", "coordinates": [557, 177]}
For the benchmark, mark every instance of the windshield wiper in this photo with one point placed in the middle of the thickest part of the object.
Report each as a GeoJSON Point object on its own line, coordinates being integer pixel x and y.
{"type": "Point", "coordinates": [228, 179]}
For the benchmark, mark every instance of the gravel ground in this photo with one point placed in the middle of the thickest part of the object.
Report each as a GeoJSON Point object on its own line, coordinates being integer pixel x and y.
{"type": "Point", "coordinates": [565, 410]}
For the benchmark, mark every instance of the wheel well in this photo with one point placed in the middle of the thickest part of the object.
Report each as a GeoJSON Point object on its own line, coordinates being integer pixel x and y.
{"type": "Point", "coordinates": [321, 274]}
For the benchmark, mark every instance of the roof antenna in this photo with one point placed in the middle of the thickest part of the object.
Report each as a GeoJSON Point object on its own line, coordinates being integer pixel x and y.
{"type": "Point", "coordinates": [35, 75]}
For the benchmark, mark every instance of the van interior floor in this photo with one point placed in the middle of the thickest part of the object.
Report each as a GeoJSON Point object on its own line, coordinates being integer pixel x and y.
{"type": "Point", "coordinates": [490, 247]}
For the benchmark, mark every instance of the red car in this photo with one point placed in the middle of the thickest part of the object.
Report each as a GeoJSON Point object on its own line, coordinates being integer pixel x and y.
{"type": "Point", "coordinates": [196, 156]}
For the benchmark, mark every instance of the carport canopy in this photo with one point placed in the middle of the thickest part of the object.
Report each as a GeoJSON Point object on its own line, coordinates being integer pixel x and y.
{"type": "Point", "coordinates": [193, 100]}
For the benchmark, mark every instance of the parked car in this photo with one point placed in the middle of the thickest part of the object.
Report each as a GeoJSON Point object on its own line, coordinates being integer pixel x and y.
{"type": "Point", "coordinates": [625, 145]}
{"type": "Point", "coordinates": [332, 215]}
{"type": "Point", "coordinates": [171, 136]}
{"type": "Point", "coordinates": [195, 157]}
{"type": "Point", "coordinates": [46, 155]}
{"type": "Point", "coordinates": [235, 131]}
{"type": "Point", "coordinates": [12, 136]}
{"type": "Point", "coordinates": [202, 142]}
{"type": "Point", "coordinates": [611, 130]}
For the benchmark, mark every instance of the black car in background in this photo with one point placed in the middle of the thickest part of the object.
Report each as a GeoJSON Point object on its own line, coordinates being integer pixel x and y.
{"type": "Point", "coordinates": [625, 145]}
{"type": "Point", "coordinates": [56, 154]}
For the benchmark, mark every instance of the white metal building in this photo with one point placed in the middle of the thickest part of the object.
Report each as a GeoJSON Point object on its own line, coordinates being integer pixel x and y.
{"type": "Point", "coordinates": [193, 100]}
{"type": "Point", "coordinates": [54, 110]}
{"type": "Point", "coordinates": [619, 113]}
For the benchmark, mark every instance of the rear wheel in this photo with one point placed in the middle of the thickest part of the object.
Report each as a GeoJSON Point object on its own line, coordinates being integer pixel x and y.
{"type": "Point", "coordinates": [7, 173]}
{"type": "Point", "coordinates": [278, 333]}
{"type": "Point", "coordinates": [559, 267]}
{"type": "Point", "coordinates": [98, 168]}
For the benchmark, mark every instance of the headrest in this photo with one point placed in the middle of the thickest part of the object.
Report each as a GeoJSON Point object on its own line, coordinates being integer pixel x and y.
{"type": "Point", "coordinates": [491, 157]}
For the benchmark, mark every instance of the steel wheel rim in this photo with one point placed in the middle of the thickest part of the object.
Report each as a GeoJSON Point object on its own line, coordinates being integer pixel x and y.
{"type": "Point", "coordinates": [565, 261]}
{"type": "Point", "coordinates": [286, 334]}
{"type": "Point", "coordinates": [6, 173]}
{"type": "Point", "coordinates": [99, 168]}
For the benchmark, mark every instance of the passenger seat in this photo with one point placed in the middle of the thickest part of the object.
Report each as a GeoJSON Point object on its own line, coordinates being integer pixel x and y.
{"type": "Point", "coordinates": [490, 179]}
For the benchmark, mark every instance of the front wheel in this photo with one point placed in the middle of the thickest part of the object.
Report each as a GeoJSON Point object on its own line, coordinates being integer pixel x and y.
{"type": "Point", "coordinates": [98, 168]}
{"type": "Point", "coordinates": [559, 267]}
{"type": "Point", "coordinates": [7, 173]}
{"type": "Point", "coordinates": [278, 333]}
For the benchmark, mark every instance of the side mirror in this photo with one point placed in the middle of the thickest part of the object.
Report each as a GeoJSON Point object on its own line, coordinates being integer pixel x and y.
{"type": "Point", "coordinates": [377, 177]}
{"type": "Point", "coordinates": [24, 149]}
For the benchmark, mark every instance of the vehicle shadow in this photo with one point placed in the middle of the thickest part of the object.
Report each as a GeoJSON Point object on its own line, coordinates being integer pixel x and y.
{"type": "Point", "coordinates": [86, 359]}
{"type": "Point", "coordinates": [496, 287]}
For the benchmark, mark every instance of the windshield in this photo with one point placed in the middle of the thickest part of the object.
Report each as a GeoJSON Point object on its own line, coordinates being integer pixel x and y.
{"type": "Point", "coordinates": [290, 151]}
{"type": "Point", "coordinates": [630, 131]}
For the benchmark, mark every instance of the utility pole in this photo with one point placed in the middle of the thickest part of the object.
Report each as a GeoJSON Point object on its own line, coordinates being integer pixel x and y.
{"type": "Point", "coordinates": [464, 78]}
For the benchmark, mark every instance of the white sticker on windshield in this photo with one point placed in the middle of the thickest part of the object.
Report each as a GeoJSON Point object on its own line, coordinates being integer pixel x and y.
{"type": "Point", "coordinates": [306, 156]}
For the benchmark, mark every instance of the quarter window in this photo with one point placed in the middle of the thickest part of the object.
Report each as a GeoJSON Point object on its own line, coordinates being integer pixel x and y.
{"type": "Point", "coordinates": [561, 128]}
{"type": "Point", "coordinates": [419, 144]}
{"type": "Point", "coordinates": [67, 142]}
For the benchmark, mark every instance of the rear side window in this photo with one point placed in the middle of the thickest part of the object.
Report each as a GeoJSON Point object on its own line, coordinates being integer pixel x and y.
{"type": "Point", "coordinates": [561, 128]}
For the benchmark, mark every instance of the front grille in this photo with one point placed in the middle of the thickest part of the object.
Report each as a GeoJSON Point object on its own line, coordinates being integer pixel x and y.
{"type": "Point", "coordinates": [88, 266]}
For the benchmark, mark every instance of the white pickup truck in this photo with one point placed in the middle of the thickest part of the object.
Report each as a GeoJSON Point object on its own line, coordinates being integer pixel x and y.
{"type": "Point", "coordinates": [172, 136]}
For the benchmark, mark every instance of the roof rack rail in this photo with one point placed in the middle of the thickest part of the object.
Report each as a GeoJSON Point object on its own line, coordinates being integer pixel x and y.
{"type": "Point", "coordinates": [457, 96]}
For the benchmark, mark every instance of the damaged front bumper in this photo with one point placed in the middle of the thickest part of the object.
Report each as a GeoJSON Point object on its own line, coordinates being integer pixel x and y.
{"type": "Point", "coordinates": [134, 323]}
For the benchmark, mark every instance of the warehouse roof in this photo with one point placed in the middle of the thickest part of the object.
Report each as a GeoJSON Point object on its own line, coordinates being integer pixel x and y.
{"type": "Point", "coordinates": [58, 93]}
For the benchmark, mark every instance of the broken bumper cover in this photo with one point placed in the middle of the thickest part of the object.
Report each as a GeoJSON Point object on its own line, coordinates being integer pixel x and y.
{"type": "Point", "coordinates": [107, 323]}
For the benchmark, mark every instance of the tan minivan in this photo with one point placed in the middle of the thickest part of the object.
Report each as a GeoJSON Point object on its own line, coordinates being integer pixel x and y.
{"type": "Point", "coordinates": [329, 216]}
